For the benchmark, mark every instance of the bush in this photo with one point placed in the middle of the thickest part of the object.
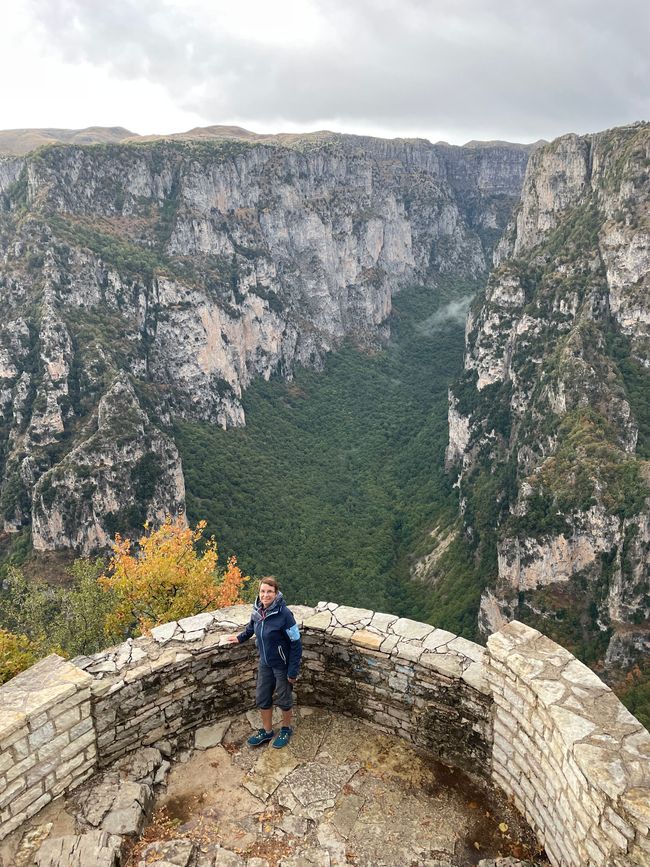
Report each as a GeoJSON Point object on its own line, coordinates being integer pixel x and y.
{"type": "Point", "coordinates": [166, 579]}
{"type": "Point", "coordinates": [17, 653]}
{"type": "Point", "coordinates": [635, 693]}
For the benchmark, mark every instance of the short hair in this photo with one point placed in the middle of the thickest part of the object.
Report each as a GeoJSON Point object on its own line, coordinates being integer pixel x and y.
{"type": "Point", "coordinates": [271, 582]}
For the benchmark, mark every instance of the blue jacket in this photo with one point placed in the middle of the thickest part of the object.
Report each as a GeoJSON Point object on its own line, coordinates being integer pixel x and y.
{"type": "Point", "coordinates": [278, 636]}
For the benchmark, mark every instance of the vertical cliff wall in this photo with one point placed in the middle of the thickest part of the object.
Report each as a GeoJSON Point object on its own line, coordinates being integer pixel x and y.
{"type": "Point", "coordinates": [551, 414]}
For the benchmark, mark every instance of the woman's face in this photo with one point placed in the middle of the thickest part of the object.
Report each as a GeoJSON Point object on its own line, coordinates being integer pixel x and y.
{"type": "Point", "coordinates": [267, 594]}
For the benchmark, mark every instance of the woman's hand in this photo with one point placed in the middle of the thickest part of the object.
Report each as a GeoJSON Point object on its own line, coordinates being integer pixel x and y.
{"type": "Point", "coordinates": [292, 680]}
{"type": "Point", "coordinates": [231, 639]}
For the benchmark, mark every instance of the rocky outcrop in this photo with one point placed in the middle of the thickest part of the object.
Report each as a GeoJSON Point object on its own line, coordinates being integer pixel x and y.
{"type": "Point", "coordinates": [551, 408]}
{"type": "Point", "coordinates": [458, 433]}
{"type": "Point", "coordinates": [51, 401]}
{"type": "Point", "coordinates": [124, 474]}
{"type": "Point", "coordinates": [195, 267]}
{"type": "Point", "coordinates": [555, 183]}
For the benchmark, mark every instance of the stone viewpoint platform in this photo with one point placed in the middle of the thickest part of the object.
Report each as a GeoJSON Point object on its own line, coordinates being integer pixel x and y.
{"type": "Point", "coordinates": [522, 715]}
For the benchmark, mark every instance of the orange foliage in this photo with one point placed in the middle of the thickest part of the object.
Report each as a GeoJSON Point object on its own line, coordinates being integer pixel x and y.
{"type": "Point", "coordinates": [167, 578]}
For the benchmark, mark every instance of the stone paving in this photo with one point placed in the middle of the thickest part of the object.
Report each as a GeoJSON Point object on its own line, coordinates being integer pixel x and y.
{"type": "Point", "coordinates": [341, 793]}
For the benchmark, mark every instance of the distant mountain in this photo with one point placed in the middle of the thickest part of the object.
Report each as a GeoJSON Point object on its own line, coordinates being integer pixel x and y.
{"type": "Point", "coordinates": [17, 142]}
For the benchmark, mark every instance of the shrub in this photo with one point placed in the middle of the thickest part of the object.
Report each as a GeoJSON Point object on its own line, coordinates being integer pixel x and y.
{"type": "Point", "coordinates": [17, 653]}
{"type": "Point", "coordinates": [167, 578]}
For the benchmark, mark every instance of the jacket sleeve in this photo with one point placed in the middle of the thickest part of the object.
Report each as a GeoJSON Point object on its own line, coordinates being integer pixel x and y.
{"type": "Point", "coordinates": [295, 646]}
{"type": "Point", "coordinates": [248, 632]}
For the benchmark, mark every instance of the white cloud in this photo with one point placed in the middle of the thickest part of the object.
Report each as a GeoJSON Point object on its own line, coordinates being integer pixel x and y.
{"type": "Point", "coordinates": [453, 311]}
{"type": "Point", "coordinates": [452, 69]}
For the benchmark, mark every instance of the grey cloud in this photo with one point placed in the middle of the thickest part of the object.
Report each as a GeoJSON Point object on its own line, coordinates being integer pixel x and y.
{"type": "Point", "coordinates": [473, 66]}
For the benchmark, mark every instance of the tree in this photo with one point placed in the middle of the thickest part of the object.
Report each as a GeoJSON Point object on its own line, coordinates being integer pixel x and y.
{"type": "Point", "coordinates": [17, 652]}
{"type": "Point", "coordinates": [66, 620]}
{"type": "Point", "coordinates": [167, 578]}
{"type": "Point", "coordinates": [79, 626]}
{"type": "Point", "coordinates": [28, 609]}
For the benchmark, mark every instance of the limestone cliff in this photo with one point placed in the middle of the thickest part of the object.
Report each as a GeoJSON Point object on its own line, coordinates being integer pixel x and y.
{"type": "Point", "coordinates": [193, 267]}
{"type": "Point", "coordinates": [124, 473]}
{"type": "Point", "coordinates": [551, 415]}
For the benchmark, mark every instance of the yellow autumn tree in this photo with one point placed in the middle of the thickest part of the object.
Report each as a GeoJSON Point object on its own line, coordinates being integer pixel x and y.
{"type": "Point", "coordinates": [167, 578]}
{"type": "Point", "coordinates": [17, 652]}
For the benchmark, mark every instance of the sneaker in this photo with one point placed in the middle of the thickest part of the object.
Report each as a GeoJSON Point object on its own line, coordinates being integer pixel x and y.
{"type": "Point", "coordinates": [283, 738]}
{"type": "Point", "coordinates": [261, 737]}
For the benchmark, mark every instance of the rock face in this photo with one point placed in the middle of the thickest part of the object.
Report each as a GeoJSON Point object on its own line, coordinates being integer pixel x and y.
{"type": "Point", "coordinates": [81, 501]}
{"type": "Point", "coordinates": [189, 268]}
{"type": "Point", "coordinates": [551, 414]}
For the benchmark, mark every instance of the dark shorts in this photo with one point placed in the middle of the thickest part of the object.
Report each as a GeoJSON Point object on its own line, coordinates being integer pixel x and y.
{"type": "Point", "coordinates": [270, 680]}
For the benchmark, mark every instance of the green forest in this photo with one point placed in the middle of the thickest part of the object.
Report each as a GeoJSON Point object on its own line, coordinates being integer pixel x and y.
{"type": "Point", "coordinates": [339, 474]}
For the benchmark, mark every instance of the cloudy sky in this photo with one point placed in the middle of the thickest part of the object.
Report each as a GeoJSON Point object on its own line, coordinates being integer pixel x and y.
{"type": "Point", "coordinates": [441, 69]}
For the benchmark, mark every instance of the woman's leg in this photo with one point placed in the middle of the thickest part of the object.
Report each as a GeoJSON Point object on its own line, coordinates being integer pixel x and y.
{"type": "Point", "coordinates": [264, 695]}
{"type": "Point", "coordinates": [284, 696]}
{"type": "Point", "coordinates": [267, 718]}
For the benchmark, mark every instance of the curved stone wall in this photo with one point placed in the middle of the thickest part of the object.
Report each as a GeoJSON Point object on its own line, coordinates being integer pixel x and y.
{"type": "Point", "coordinates": [575, 761]}
{"type": "Point", "coordinates": [407, 678]}
{"type": "Point", "coordinates": [523, 713]}
{"type": "Point", "coordinates": [47, 738]}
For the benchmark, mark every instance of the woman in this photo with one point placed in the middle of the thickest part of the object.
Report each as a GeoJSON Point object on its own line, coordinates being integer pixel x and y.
{"type": "Point", "coordinates": [280, 650]}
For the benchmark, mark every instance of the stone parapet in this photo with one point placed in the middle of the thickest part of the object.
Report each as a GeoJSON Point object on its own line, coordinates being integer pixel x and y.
{"type": "Point", "coordinates": [575, 761]}
{"type": "Point", "coordinates": [404, 677]}
{"type": "Point", "coordinates": [47, 738]}
{"type": "Point", "coordinates": [522, 713]}
{"type": "Point", "coordinates": [162, 686]}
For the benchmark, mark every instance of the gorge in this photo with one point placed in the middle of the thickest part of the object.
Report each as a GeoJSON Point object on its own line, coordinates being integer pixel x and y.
{"type": "Point", "coordinates": [150, 289]}
{"type": "Point", "coordinates": [192, 268]}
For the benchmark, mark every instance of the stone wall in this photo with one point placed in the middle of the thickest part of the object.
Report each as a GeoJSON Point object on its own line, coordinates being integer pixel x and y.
{"type": "Point", "coordinates": [575, 761]}
{"type": "Point", "coordinates": [407, 678]}
{"type": "Point", "coordinates": [47, 738]}
{"type": "Point", "coordinates": [524, 713]}
{"type": "Point", "coordinates": [163, 687]}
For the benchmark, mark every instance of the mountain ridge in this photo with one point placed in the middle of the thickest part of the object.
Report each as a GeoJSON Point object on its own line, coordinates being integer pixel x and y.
{"type": "Point", "coordinates": [20, 142]}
